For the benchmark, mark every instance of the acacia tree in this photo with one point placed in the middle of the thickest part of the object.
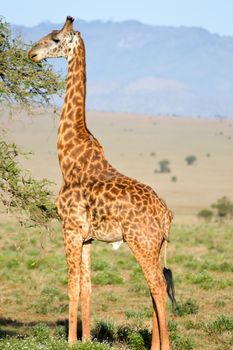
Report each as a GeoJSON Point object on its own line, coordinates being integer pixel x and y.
{"type": "Point", "coordinates": [24, 83]}
{"type": "Point", "coordinates": [22, 80]}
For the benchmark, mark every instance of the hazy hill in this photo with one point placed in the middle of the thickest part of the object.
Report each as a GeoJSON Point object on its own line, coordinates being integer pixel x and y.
{"type": "Point", "coordinates": [153, 69]}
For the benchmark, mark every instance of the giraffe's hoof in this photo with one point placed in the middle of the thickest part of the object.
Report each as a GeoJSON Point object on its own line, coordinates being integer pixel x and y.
{"type": "Point", "coordinates": [71, 342]}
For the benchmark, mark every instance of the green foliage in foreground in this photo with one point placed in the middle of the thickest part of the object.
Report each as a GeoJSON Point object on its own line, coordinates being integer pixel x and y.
{"type": "Point", "coordinates": [32, 343]}
{"type": "Point", "coordinates": [31, 200]}
{"type": "Point", "coordinates": [22, 80]}
{"type": "Point", "coordinates": [42, 339]}
{"type": "Point", "coordinates": [106, 336]}
{"type": "Point", "coordinates": [201, 260]}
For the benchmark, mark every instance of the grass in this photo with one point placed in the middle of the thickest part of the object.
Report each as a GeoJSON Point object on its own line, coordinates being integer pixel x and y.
{"type": "Point", "coordinates": [189, 307]}
{"type": "Point", "coordinates": [34, 284]}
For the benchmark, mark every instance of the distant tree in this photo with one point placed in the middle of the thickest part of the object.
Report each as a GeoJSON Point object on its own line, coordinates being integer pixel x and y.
{"type": "Point", "coordinates": [152, 154]}
{"type": "Point", "coordinates": [205, 214]}
{"type": "Point", "coordinates": [174, 179]}
{"type": "Point", "coordinates": [190, 159]}
{"type": "Point", "coordinates": [23, 82]}
{"type": "Point", "coordinates": [224, 208]}
{"type": "Point", "coordinates": [164, 165]}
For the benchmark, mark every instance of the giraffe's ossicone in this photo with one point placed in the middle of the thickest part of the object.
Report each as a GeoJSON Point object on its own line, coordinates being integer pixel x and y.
{"type": "Point", "coordinates": [96, 202]}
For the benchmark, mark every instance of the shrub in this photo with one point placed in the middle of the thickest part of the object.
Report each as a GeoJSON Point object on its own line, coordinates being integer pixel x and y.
{"type": "Point", "coordinates": [191, 159]}
{"type": "Point", "coordinates": [104, 331]}
{"type": "Point", "coordinates": [172, 326]}
{"type": "Point", "coordinates": [224, 208]}
{"type": "Point", "coordinates": [222, 324]}
{"type": "Point", "coordinates": [188, 308]}
{"type": "Point", "coordinates": [41, 331]}
{"type": "Point", "coordinates": [135, 341]}
{"type": "Point", "coordinates": [122, 333]}
{"type": "Point", "coordinates": [205, 214]}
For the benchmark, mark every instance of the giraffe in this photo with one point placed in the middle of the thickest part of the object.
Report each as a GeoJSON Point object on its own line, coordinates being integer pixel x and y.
{"type": "Point", "coordinates": [96, 202]}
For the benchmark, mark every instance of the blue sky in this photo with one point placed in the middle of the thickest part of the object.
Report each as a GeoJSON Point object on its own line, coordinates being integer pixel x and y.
{"type": "Point", "coordinates": [214, 15]}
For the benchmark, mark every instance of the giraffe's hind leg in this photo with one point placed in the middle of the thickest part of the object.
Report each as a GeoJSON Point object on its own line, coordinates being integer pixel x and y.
{"type": "Point", "coordinates": [155, 342]}
{"type": "Point", "coordinates": [147, 253]}
{"type": "Point", "coordinates": [85, 293]}
{"type": "Point", "coordinates": [158, 292]}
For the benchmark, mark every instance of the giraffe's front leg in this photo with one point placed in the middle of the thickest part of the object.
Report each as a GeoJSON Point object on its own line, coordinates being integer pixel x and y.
{"type": "Point", "coordinates": [73, 247]}
{"type": "Point", "coordinates": [85, 285]}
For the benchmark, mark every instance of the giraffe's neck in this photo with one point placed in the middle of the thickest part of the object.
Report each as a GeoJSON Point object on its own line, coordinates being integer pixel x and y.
{"type": "Point", "coordinates": [74, 139]}
{"type": "Point", "coordinates": [74, 107]}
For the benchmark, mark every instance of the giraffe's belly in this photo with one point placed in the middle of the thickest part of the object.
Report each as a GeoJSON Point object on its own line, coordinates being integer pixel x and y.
{"type": "Point", "coordinates": [106, 231]}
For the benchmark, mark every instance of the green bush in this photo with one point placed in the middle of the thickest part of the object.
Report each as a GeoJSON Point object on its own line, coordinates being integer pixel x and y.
{"type": "Point", "coordinates": [222, 324]}
{"type": "Point", "coordinates": [172, 326]}
{"type": "Point", "coordinates": [190, 307]}
{"type": "Point", "coordinates": [41, 332]}
{"type": "Point", "coordinates": [104, 331]}
{"type": "Point", "coordinates": [135, 341]}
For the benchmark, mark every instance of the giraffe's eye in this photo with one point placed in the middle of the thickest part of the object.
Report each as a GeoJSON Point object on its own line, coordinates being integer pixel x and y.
{"type": "Point", "coordinates": [56, 40]}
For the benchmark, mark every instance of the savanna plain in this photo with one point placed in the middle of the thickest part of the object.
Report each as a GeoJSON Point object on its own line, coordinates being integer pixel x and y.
{"type": "Point", "coordinates": [33, 288]}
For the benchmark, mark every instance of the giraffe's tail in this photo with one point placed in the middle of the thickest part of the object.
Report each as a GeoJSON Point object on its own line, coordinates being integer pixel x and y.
{"type": "Point", "coordinates": [170, 285]}
{"type": "Point", "coordinates": [167, 272]}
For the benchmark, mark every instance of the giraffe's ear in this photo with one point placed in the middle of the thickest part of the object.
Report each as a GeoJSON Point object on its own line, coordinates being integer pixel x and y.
{"type": "Point", "coordinates": [68, 26]}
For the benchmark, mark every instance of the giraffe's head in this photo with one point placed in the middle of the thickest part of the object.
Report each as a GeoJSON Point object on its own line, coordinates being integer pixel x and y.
{"type": "Point", "coordinates": [58, 43]}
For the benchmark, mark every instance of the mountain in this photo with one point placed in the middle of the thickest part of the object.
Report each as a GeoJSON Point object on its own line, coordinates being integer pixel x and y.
{"type": "Point", "coordinates": [140, 68]}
